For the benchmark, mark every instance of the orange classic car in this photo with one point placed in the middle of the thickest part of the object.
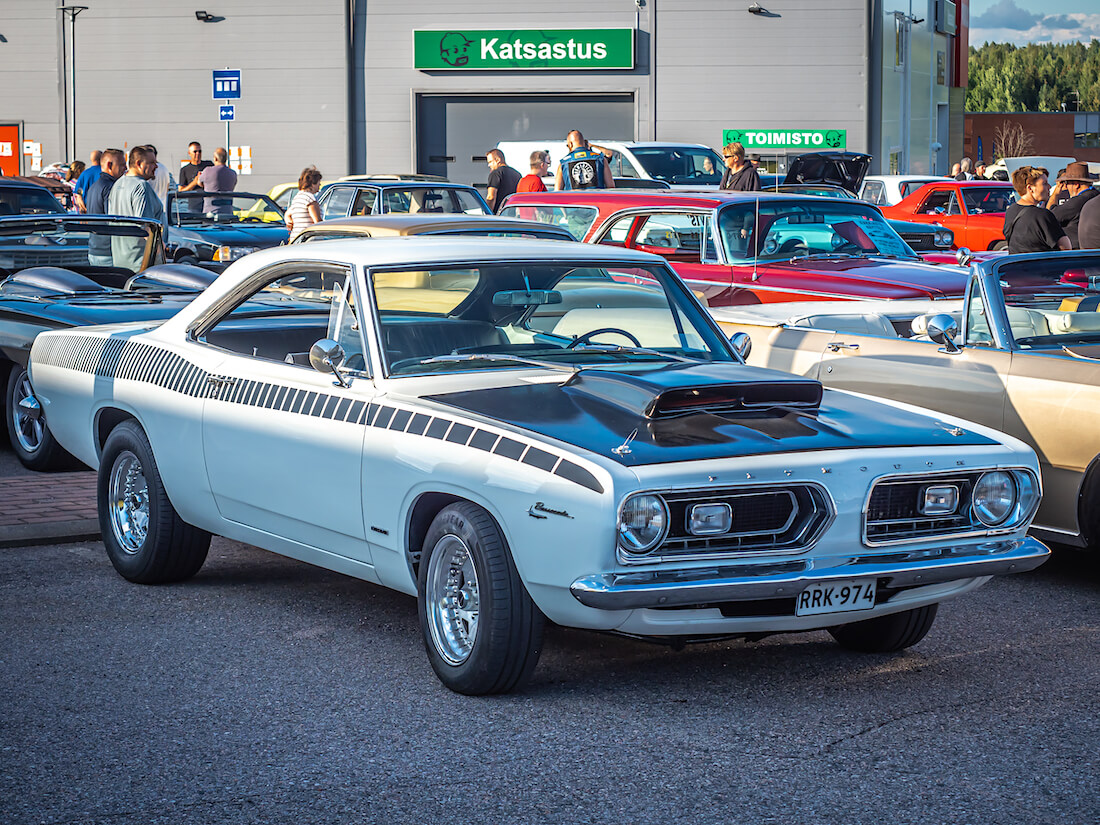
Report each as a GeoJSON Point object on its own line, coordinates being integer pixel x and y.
{"type": "Point", "coordinates": [973, 209]}
{"type": "Point", "coordinates": [735, 248]}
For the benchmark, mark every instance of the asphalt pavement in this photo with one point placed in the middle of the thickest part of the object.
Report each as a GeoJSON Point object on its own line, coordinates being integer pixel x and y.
{"type": "Point", "coordinates": [269, 691]}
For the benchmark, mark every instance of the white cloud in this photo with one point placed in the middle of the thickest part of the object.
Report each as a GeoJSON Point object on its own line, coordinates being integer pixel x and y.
{"type": "Point", "coordinates": [1009, 27]}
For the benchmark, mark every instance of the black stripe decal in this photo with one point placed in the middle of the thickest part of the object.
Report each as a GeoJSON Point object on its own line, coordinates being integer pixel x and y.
{"type": "Point", "coordinates": [136, 361]}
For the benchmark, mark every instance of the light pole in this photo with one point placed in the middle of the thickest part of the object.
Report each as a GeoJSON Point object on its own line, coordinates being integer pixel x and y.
{"type": "Point", "coordinates": [71, 12]}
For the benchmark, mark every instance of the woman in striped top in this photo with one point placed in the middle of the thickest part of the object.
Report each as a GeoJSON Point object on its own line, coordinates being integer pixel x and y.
{"type": "Point", "coordinates": [304, 210]}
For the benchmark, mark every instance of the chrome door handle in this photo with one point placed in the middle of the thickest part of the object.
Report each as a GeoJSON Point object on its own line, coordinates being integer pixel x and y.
{"type": "Point", "coordinates": [839, 345]}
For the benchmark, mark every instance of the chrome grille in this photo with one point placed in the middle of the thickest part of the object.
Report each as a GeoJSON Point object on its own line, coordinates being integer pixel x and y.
{"type": "Point", "coordinates": [786, 519]}
{"type": "Point", "coordinates": [920, 241]}
{"type": "Point", "coordinates": [893, 509]}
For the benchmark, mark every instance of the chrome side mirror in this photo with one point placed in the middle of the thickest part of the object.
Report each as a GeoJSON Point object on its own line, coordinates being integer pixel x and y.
{"type": "Point", "coordinates": [327, 356]}
{"type": "Point", "coordinates": [964, 256]}
{"type": "Point", "coordinates": [742, 344]}
{"type": "Point", "coordinates": [943, 329]}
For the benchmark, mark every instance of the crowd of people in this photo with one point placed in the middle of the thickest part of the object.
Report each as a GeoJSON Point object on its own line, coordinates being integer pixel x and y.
{"type": "Point", "coordinates": [1045, 219]}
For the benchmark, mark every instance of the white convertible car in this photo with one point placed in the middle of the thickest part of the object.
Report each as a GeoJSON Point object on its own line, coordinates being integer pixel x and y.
{"type": "Point", "coordinates": [521, 430]}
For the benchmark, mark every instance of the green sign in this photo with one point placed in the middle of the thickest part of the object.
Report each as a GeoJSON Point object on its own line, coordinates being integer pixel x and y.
{"type": "Point", "coordinates": [522, 49]}
{"type": "Point", "coordinates": [786, 140]}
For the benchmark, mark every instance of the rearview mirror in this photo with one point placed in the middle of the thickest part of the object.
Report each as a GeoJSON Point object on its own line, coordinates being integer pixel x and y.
{"type": "Point", "coordinates": [526, 297]}
{"type": "Point", "coordinates": [326, 356]}
{"type": "Point", "coordinates": [943, 329]}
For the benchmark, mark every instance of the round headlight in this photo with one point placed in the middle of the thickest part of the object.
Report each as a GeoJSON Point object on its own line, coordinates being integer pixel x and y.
{"type": "Point", "coordinates": [643, 523]}
{"type": "Point", "coordinates": [994, 497]}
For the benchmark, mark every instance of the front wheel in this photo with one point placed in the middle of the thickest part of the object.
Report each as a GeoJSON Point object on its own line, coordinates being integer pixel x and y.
{"type": "Point", "coordinates": [146, 540]}
{"type": "Point", "coordinates": [999, 246]}
{"type": "Point", "coordinates": [887, 634]}
{"type": "Point", "coordinates": [31, 439]}
{"type": "Point", "coordinates": [482, 632]}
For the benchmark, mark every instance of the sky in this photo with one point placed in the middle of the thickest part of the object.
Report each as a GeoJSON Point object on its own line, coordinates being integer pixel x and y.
{"type": "Point", "coordinates": [1033, 21]}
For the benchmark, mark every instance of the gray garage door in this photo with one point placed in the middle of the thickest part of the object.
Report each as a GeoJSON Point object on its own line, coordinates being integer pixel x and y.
{"type": "Point", "coordinates": [455, 131]}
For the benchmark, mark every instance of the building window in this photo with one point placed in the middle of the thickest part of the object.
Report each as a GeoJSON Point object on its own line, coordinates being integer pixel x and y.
{"type": "Point", "coordinates": [941, 68]}
{"type": "Point", "coordinates": [899, 41]}
{"type": "Point", "coordinates": [895, 162]}
{"type": "Point", "coordinates": [1086, 130]}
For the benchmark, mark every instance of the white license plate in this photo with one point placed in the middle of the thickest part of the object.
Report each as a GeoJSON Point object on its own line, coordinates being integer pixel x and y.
{"type": "Point", "coordinates": [836, 597]}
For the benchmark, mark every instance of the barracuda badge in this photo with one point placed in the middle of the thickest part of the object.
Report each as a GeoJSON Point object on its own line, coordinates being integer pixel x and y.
{"type": "Point", "coordinates": [538, 508]}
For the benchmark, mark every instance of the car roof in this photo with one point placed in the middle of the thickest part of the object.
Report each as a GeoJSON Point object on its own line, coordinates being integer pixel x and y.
{"type": "Point", "coordinates": [653, 197]}
{"type": "Point", "coordinates": [400, 184]}
{"type": "Point", "coordinates": [402, 224]}
{"type": "Point", "coordinates": [904, 178]}
{"type": "Point", "coordinates": [14, 183]}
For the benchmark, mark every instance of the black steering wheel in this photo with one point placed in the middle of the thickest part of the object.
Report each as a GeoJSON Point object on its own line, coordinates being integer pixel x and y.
{"type": "Point", "coordinates": [587, 337]}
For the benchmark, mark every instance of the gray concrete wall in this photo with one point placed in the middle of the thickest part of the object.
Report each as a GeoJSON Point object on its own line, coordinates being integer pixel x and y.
{"type": "Point", "coordinates": [144, 76]}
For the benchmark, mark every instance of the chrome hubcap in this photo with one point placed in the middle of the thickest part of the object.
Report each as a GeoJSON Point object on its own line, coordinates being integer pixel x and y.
{"type": "Point", "coordinates": [452, 600]}
{"type": "Point", "coordinates": [27, 423]}
{"type": "Point", "coordinates": [128, 500]}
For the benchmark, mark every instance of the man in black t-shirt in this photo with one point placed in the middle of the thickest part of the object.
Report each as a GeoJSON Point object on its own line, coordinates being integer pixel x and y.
{"type": "Point", "coordinates": [189, 174]}
{"type": "Point", "coordinates": [503, 180]}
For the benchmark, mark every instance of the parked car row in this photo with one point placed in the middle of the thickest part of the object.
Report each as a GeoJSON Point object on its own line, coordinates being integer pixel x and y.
{"type": "Point", "coordinates": [513, 426]}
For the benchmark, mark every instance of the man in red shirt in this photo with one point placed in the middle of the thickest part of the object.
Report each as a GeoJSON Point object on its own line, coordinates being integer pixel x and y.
{"type": "Point", "coordinates": [540, 166]}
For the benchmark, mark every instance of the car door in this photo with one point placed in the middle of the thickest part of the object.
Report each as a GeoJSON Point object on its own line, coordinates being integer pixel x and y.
{"type": "Point", "coordinates": [283, 442]}
{"type": "Point", "coordinates": [970, 382]}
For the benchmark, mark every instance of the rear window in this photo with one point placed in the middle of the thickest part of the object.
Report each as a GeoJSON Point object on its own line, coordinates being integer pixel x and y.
{"type": "Point", "coordinates": [577, 220]}
{"type": "Point", "coordinates": [27, 201]}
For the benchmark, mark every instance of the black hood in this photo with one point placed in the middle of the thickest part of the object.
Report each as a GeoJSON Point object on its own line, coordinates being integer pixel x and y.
{"type": "Point", "coordinates": [741, 411]}
{"type": "Point", "coordinates": [843, 169]}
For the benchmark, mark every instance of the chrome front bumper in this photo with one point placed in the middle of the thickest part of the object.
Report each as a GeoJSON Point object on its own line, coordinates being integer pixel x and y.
{"type": "Point", "coordinates": [786, 578]}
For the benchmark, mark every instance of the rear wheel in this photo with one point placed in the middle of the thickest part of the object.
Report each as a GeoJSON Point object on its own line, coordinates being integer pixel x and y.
{"type": "Point", "coordinates": [30, 438]}
{"type": "Point", "coordinates": [482, 632]}
{"type": "Point", "coordinates": [1000, 246]}
{"type": "Point", "coordinates": [146, 540]}
{"type": "Point", "coordinates": [887, 634]}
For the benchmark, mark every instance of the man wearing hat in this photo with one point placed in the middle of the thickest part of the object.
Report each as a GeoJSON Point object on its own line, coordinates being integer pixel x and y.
{"type": "Point", "coordinates": [979, 170]}
{"type": "Point", "coordinates": [1077, 183]}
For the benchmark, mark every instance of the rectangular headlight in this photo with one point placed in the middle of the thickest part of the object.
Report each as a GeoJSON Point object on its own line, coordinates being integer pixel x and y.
{"type": "Point", "coordinates": [710, 519]}
{"type": "Point", "coordinates": [940, 500]}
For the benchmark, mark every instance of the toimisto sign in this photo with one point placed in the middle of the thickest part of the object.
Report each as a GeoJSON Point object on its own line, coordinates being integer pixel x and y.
{"type": "Point", "coordinates": [524, 49]}
{"type": "Point", "coordinates": [782, 140]}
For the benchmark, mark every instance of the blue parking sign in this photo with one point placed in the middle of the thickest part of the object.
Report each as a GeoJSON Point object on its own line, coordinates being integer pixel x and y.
{"type": "Point", "coordinates": [225, 112]}
{"type": "Point", "coordinates": [227, 84]}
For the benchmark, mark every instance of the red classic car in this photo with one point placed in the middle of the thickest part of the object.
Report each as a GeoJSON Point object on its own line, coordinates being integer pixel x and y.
{"type": "Point", "coordinates": [746, 248]}
{"type": "Point", "coordinates": [973, 209]}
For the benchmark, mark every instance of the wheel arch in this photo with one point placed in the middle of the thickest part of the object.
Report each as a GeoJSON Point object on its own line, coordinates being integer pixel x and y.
{"type": "Point", "coordinates": [423, 511]}
{"type": "Point", "coordinates": [106, 419]}
{"type": "Point", "coordinates": [1088, 518]}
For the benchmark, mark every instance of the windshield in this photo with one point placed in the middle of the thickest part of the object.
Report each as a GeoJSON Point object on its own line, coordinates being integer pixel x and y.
{"type": "Point", "coordinates": [425, 199]}
{"type": "Point", "coordinates": [195, 208]}
{"type": "Point", "coordinates": [576, 220]}
{"type": "Point", "coordinates": [682, 165]}
{"type": "Point", "coordinates": [79, 245]}
{"type": "Point", "coordinates": [29, 200]}
{"type": "Point", "coordinates": [980, 200]}
{"type": "Point", "coordinates": [1050, 303]}
{"type": "Point", "coordinates": [785, 230]}
{"type": "Point", "coordinates": [561, 315]}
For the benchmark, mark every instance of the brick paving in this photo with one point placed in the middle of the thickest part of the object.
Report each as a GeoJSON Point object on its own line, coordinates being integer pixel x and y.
{"type": "Point", "coordinates": [47, 506]}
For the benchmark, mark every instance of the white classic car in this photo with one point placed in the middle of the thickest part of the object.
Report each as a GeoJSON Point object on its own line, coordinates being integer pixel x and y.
{"type": "Point", "coordinates": [521, 430]}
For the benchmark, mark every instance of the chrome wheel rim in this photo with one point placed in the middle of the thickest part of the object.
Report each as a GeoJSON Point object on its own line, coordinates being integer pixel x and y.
{"type": "Point", "coordinates": [28, 429]}
{"type": "Point", "coordinates": [452, 598]}
{"type": "Point", "coordinates": [128, 502]}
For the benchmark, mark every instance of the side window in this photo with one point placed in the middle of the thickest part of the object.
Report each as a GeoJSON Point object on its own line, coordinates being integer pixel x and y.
{"type": "Point", "coordinates": [936, 203]}
{"type": "Point", "coordinates": [617, 233]}
{"type": "Point", "coordinates": [364, 202]}
{"type": "Point", "coordinates": [284, 199]}
{"type": "Point", "coordinates": [679, 234]}
{"type": "Point", "coordinates": [953, 205]}
{"type": "Point", "coordinates": [337, 203]}
{"type": "Point", "coordinates": [977, 323]}
{"type": "Point", "coordinates": [621, 167]}
{"type": "Point", "coordinates": [875, 192]}
{"type": "Point", "coordinates": [289, 310]}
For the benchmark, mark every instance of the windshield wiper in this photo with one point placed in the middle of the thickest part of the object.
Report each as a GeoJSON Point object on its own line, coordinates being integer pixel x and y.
{"type": "Point", "coordinates": [514, 359]}
{"type": "Point", "coordinates": [820, 255]}
{"type": "Point", "coordinates": [613, 350]}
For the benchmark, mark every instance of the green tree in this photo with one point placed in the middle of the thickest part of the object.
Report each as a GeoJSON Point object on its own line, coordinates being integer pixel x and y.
{"type": "Point", "coordinates": [1038, 77]}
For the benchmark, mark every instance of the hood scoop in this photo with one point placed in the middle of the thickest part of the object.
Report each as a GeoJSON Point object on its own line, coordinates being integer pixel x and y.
{"type": "Point", "coordinates": [718, 389]}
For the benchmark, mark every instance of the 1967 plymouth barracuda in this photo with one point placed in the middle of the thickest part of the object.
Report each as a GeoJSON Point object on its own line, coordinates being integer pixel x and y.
{"type": "Point", "coordinates": [520, 430]}
{"type": "Point", "coordinates": [737, 248]}
{"type": "Point", "coordinates": [1021, 353]}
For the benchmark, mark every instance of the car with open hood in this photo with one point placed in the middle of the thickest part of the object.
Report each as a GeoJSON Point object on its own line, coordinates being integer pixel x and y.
{"type": "Point", "coordinates": [1019, 353]}
{"type": "Point", "coordinates": [518, 431]}
{"type": "Point", "coordinates": [752, 247]}
{"type": "Point", "coordinates": [59, 271]}
{"type": "Point", "coordinates": [212, 229]}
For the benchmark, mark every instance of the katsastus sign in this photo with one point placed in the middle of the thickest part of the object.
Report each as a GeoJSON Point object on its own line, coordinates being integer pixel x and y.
{"type": "Point", "coordinates": [779, 140]}
{"type": "Point", "coordinates": [522, 49]}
